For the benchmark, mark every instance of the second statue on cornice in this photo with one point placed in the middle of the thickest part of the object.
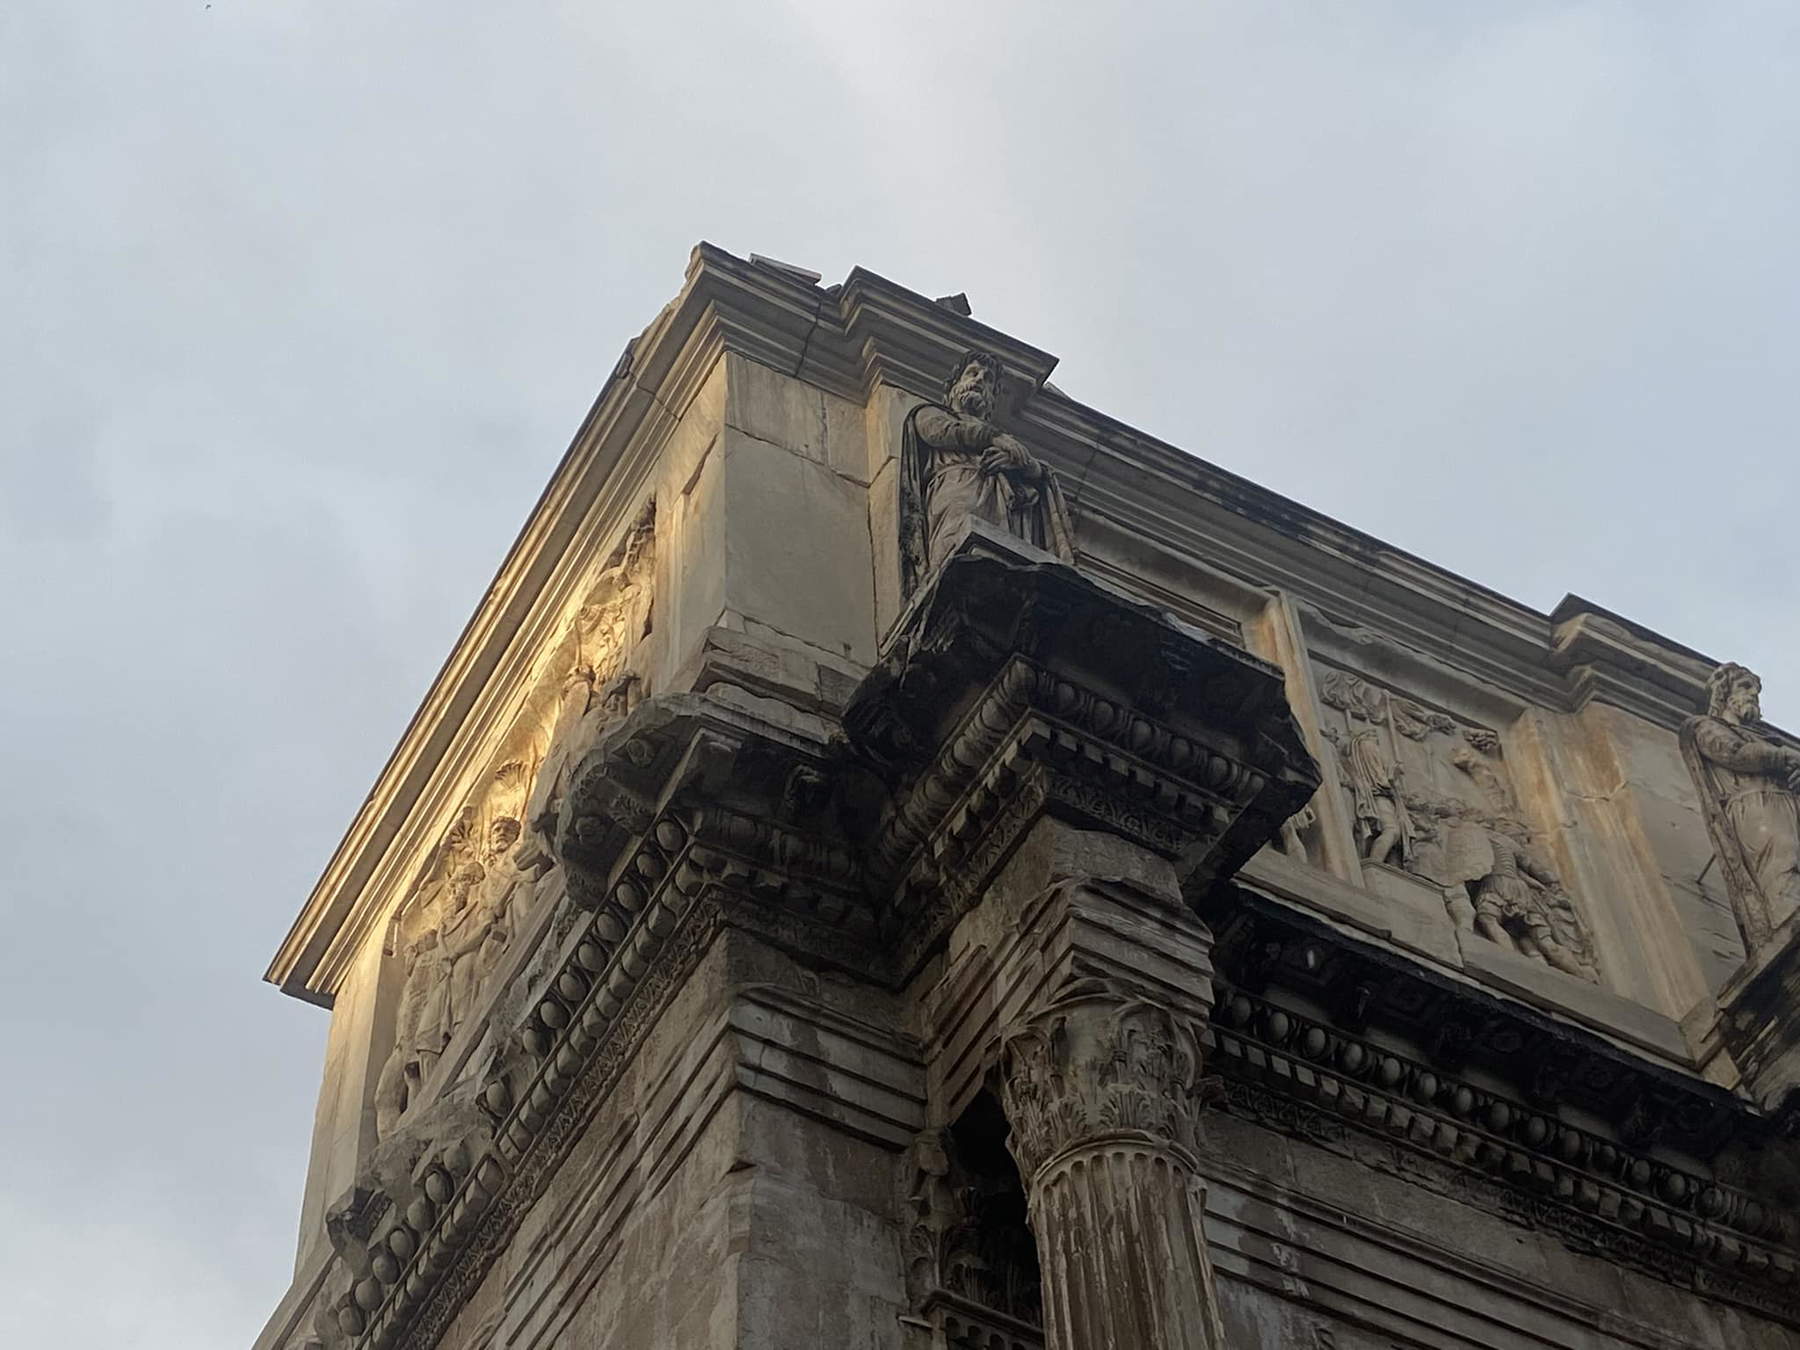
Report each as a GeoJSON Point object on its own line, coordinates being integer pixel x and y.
{"type": "Point", "coordinates": [957, 465]}
{"type": "Point", "coordinates": [1749, 784]}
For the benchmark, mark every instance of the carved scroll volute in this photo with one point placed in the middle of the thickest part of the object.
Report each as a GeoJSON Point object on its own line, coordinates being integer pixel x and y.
{"type": "Point", "coordinates": [1101, 1064]}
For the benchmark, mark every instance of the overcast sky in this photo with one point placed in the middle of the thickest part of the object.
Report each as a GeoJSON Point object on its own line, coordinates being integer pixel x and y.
{"type": "Point", "coordinates": [303, 301]}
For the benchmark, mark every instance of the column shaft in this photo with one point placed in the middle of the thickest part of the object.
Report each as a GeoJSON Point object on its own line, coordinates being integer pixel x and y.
{"type": "Point", "coordinates": [1102, 1094]}
{"type": "Point", "coordinates": [1122, 1243]}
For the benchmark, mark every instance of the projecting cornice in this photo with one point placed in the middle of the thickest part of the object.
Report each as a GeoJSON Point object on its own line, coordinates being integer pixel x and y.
{"type": "Point", "coordinates": [594, 492]}
{"type": "Point", "coordinates": [842, 339]}
{"type": "Point", "coordinates": [846, 339]}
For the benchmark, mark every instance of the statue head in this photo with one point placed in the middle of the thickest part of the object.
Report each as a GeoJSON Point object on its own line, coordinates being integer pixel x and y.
{"type": "Point", "coordinates": [463, 880]}
{"type": "Point", "coordinates": [1734, 693]}
{"type": "Point", "coordinates": [973, 389]}
{"type": "Point", "coordinates": [503, 834]}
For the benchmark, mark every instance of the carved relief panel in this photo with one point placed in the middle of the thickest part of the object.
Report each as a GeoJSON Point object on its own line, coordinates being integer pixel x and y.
{"type": "Point", "coordinates": [450, 934]}
{"type": "Point", "coordinates": [493, 872]}
{"type": "Point", "coordinates": [1429, 794]}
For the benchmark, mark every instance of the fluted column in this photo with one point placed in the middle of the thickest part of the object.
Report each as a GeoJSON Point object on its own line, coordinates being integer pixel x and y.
{"type": "Point", "coordinates": [1102, 1093]}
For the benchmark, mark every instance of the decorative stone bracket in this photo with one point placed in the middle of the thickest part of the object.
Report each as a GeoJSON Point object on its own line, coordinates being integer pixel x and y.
{"type": "Point", "coordinates": [1759, 1024]}
{"type": "Point", "coordinates": [1016, 688]}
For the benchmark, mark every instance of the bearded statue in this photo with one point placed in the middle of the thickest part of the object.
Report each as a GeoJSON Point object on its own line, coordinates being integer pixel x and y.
{"type": "Point", "coordinates": [957, 465]}
{"type": "Point", "coordinates": [1747, 782]}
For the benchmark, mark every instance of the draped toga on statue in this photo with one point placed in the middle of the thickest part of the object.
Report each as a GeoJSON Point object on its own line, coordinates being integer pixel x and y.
{"type": "Point", "coordinates": [948, 479]}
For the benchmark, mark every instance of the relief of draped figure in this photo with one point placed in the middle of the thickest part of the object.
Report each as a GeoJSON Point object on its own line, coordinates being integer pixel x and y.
{"type": "Point", "coordinates": [482, 885]}
{"type": "Point", "coordinates": [426, 1014]}
{"type": "Point", "coordinates": [593, 681]}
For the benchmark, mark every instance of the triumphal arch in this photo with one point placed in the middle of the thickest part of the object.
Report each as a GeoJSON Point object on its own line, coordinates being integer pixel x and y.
{"type": "Point", "coordinates": [902, 860]}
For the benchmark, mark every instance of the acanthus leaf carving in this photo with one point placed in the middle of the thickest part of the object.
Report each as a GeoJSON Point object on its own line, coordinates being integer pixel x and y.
{"type": "Point", "coordinates": [952, 1242]}
{"type": "Point", "coordinates": [1103, 1095]}
{"type": "Point", "coordinates": [1101, 1061]}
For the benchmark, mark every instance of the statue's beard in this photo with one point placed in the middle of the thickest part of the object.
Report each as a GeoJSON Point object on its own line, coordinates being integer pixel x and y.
{"type": "Point", "coordinates": [972, 403]}
{"type": "Point", "coordinates": [1736, 710]}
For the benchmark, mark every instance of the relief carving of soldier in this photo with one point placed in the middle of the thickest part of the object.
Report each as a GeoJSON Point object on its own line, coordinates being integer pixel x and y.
{"type": "Point", "coordinates": [464, 921]}
{"type": "Point", "coordinates": [412, 1058]}
{"type": "Point", "coordinates": [957, 465]}
{"type": "Point", "coordinates": [1748, 784]}
{"type": "Point", "coordinates": [460, 921]}
{"type": "Point", "coordinates": [1519, 903]}
{"type": "Point", "coordinates": [505, 892]}
{"type": "Point", "coordinates": [1375, 785]}
{"type": "Point", "coordinates": [1383, 826]}
{"type": "Point", "coordinates": [424, 1021]}
{"type": "Point", "coordinates": [462, 929]}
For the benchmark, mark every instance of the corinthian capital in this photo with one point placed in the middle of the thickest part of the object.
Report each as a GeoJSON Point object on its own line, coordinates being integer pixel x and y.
{"type": "Point", "coordinates": [1101, 1064]}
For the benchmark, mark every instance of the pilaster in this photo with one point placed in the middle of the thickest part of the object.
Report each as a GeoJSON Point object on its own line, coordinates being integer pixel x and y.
{"type": "Point", "coordinates": [1062, 766]}
{"type": "Point", "coordinates": [1079, 989]}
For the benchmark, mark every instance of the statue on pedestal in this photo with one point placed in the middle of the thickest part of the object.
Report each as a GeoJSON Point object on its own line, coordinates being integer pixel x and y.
{"type": "Point", "coordinates": [957, 465]}
{"type": "Point", "coordinates": [1748, 784]}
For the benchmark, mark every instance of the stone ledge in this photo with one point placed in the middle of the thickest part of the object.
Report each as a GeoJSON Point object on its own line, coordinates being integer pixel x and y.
{"type": "Point", "coordinates": [1561, 994]}
{"type": "Point", "coordinates": [1305, 1078]}
{"type": "Point", "coordinates": [1758, 1022]}
{"type": "Point", "coordinates": [1540, 1052]}
{"type": "Point", "coordinates": [1277, 875]}
{"type": "Point", "coordinates": [1281, 878]}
